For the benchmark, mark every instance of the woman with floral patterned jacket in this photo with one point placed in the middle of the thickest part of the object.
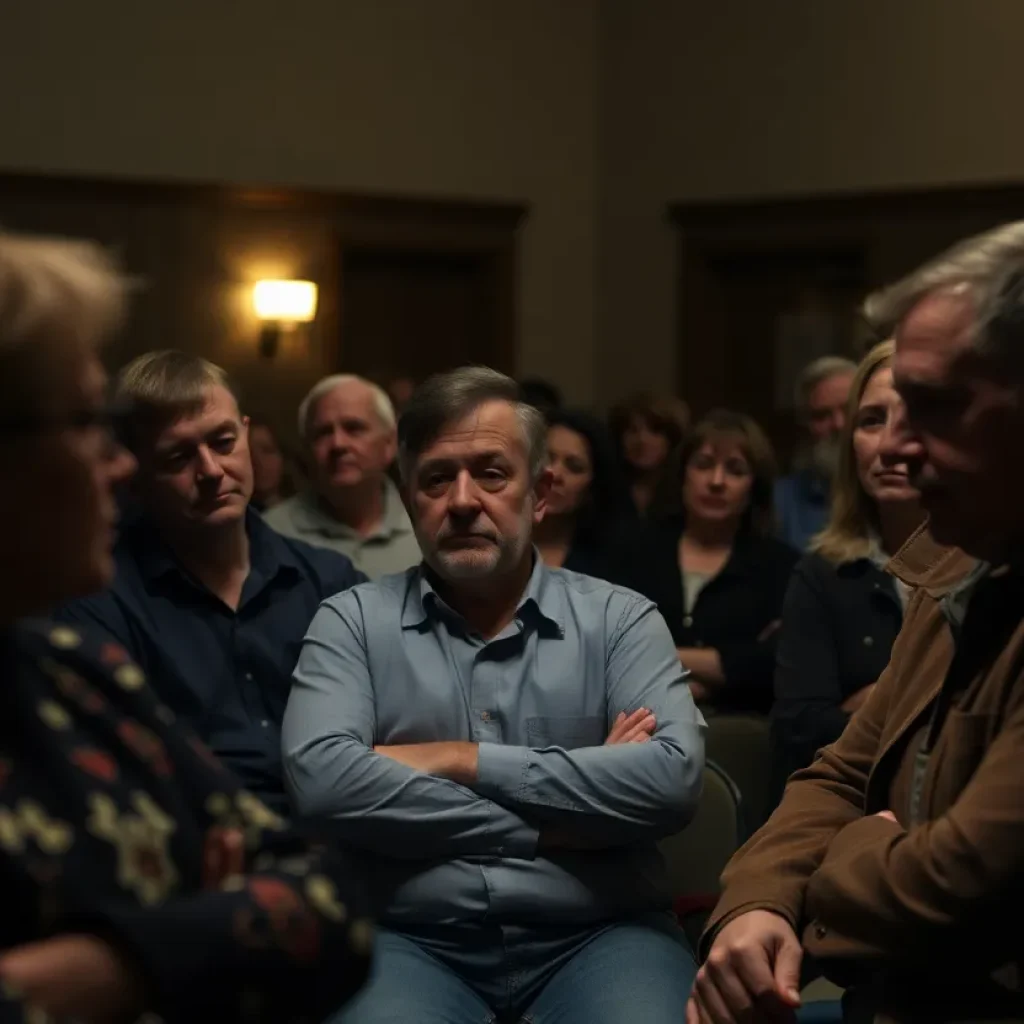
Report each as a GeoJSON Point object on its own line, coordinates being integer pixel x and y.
{"type": "Point", "coordinates": [138, 878]}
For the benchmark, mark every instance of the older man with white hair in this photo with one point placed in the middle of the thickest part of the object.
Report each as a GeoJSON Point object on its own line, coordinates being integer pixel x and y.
{"type": "Point", "coordinates": [802, 497]}
{"type": "Point", "coordinates": [349, 427]}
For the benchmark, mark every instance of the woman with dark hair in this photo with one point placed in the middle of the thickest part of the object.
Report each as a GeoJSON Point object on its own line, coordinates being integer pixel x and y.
{"type": "Point", "coordinates": [647, 429]}
{"type": "Point", "coordinates": [271, 478]}
{"type": "Point", "coordinates": [588, 498]}
{"type": "Point", "coordinates": [711, 566]}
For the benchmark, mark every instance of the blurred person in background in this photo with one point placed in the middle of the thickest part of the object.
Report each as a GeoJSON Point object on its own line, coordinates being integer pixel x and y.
{"type": "Point", "coordinates": [271, 479]}
{"type": "Point", "coordinates": [802, 497]}
{"type": "Point", "coordinates": [843, 610]}
{"type": "Point", "coordinates": [352, 506]}
{"type": "Point", "coordinates": [400, 389]}
{"type": "Point", "coordinates": [712, 566]}
{"type": "Point", "coordinates": [209, 600]}
{"type": "Point", "coordinates": [541, 394]}
{"type": "Point", "coordinates": [587, 503]}
{"type": "Point", "coordinates": [895, 859]}
{"type": "Point", "coordinates": [647, 429]}
{"type": "Point", "coordinates": [129, 854]}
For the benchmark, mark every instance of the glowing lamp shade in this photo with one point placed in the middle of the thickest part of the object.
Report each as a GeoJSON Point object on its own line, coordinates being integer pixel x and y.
{"type": "Point", "coordinates": [289, 302]}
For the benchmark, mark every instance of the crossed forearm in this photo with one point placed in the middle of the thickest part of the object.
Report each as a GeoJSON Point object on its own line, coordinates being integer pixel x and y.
{"type": "Point", "coordinates": [458, 761]}
{"type": "Point", "coordinates": [449, 759]}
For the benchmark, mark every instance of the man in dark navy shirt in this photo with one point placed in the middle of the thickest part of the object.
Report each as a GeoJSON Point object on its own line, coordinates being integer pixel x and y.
{"type": "Point", "coordinates": [208, 599]}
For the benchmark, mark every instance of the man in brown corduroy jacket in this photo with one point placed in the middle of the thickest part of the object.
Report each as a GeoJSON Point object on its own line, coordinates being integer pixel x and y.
{"type": "Point", "coordinates": [896, 860]}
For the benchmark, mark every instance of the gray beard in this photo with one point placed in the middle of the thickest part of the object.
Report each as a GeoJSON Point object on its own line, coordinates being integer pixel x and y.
{"type": "Point", "coordinates": [820, 459]}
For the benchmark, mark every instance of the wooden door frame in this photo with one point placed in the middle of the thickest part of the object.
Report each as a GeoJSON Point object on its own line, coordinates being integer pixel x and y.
{"type": "Point", "coordinates": [485, 230]}
{"type": "Point", "coordinates": [705, 230]}
{"type": "Point", "coordinates": [359, 220]}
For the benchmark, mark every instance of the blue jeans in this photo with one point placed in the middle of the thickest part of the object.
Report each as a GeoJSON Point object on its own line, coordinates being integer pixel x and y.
{"type": "Point", "coordinates": [638, 970]}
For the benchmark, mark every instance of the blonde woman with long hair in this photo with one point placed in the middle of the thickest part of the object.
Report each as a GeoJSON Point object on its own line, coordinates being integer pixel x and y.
{"type": "Point", "coordinates": [842, 610]}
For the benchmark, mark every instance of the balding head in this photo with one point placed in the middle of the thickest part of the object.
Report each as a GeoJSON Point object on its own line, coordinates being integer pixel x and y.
{"type": "Point", "coordinates": [349, 425]}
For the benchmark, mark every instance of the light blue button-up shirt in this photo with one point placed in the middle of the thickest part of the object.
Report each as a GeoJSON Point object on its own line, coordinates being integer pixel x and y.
{"type": "Point", "coordinates": [391, 663]}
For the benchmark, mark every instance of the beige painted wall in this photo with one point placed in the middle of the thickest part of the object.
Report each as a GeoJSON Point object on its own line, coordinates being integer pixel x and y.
{"type": "Point", "coordinates": [753, 98]}
{"type": "Point", "coordinates": [595, 112]}
{"type": "Point", "coordinates": [489, 99]}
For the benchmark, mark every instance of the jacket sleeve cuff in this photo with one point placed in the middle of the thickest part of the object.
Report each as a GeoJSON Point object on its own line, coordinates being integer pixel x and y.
{"type": "Point", "coordinates": [719, 919]}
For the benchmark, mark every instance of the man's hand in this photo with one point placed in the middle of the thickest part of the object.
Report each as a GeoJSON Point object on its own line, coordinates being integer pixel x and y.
{"type": "Point", "coordinates": [888, 815]}
{"type": "Point", "coordinates": [456, 760]}
{"type": "Point", "coordinates": [751, 974]}
{"type": "Point", "coordinates": [634, 728]}
{"type": "Point", "coordinates": [77, 977]}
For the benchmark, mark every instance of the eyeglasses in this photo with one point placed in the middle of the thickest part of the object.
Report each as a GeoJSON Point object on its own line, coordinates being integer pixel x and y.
{"type": "Point", "coordinates": [110, 415]}
{"type": "Point", "coordinates": [84, 419]}
{"type": "Point", "coordinates": [107, 422]}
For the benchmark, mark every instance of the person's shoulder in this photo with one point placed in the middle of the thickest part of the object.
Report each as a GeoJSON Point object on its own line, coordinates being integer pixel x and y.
{"type": "Point", "coordinates": [815, 565]}
{"type": "Point", "coordinates": [378, 598]}
{"type": "Point", "coordinates": [643, 540]}
{"type": "Point", "coordinates": [78, 647]}
{"type": "Point", "coordinates": [786, 486]}
{"type": "Point", "coordinates": [330, 570]}
{"type": "Point", "coordinates": [814, 573]}
{"type": "Point", "coordinates": [283, 510]}
{"type": "Point", "coordinates": [771, 550]}
{"type": "Point", "coordinates": [602, 599]}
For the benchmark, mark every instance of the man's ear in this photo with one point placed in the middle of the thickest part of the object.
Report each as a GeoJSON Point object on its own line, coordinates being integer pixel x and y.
{"type": "Point", "coordinates": [541, 487]}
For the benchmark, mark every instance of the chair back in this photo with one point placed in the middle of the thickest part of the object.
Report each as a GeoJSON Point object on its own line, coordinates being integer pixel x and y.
{"type": "Point", "coordinates": [696, 857]}
{"type": "Point", "coordinates": [741, 745]}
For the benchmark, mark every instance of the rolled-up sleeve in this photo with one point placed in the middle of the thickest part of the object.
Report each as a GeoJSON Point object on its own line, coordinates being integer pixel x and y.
{"type": "Point", "coordinates": [621, 793]}
{"type": "Point", "coordinates": [367, 800]}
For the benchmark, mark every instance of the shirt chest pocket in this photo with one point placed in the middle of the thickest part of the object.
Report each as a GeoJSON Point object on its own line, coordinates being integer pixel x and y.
{"type": "Point", "coordinates": [567, 732]}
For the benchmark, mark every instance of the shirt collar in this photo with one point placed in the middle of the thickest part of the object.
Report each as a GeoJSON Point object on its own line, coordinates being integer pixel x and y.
{"type": "Point", "coordinates": [923, 562]}
{"type": "Point", "coordinates": [269, 553]}
{"type": "Point", "coordinates": [542, 603]}
{"type": "Point", "coordinates": [310, 516]}
{"type": "Point", "coordinates": [811, 485]}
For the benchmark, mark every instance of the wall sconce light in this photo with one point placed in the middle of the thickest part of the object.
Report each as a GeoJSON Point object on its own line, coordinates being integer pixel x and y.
{"type": "Point", "coordinates": [280, 305]}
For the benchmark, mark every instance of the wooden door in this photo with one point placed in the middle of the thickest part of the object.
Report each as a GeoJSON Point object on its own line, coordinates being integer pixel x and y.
{"type": "Point", "coordinates": [764, 286]}
{"type": "Point", "coordinates": [781, 309]}
{"type": "Point", "coordinates": [413, 312]}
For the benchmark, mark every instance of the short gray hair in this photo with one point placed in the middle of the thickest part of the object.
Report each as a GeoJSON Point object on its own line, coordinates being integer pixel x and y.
{"type": "Point", "coordinates": [446, 397]}
{"type": "Point", "coordinates": [990, 267]}
{"type": "Point", "coordinates": [822, 368]}
{"type": "Point", "coordinates": [381, 403]}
